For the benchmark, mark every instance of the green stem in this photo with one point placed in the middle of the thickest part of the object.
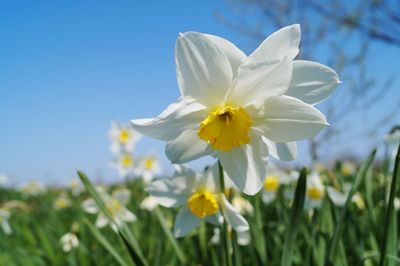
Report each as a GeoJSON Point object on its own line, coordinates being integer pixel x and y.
{"type": "Point", "coordinates": [225, 239]}
{"type": "Point", "coordinates": [390, 207]}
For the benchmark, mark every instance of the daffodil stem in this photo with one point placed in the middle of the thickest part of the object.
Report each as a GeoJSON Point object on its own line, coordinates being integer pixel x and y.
{"type": "Point", "coordinates": [225, 239]}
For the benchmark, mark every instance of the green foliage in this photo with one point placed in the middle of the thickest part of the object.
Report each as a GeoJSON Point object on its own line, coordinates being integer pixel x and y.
{"type": "Point", "coordinates": [282, 232]}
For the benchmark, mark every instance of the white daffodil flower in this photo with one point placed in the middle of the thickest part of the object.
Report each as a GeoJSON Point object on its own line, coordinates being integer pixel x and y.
{"type": "Point", "coordinates": [3, 180]}
{"type": "Point", "coordinates": [69, 241]}
{"type": "Point", "coordinates": [149, 203]}
{"type": "Point", "coordinates": [199, 198]}
{"type": "Point", "coordinates": [123, 138]}
{"type": "Point", "coordinates": [273, 182]}
{"type": "Point", "coordinates": [115, 204]}
{"type": "Point", "coordinates": [5, 225]}
{"type": "Point", "coordinates": [76, 187]}
{"type": "Point", "coordinates": [33, 188]}
{"type": "Point", "coordinates": [124, 164]}
{"type": "Point", "coordinates": [147, 168]}
{"type": "Point", "coordinates": [348, 168]}
{"type": "Point", "coordinates": [315, 191]}
{"type": "Point", "coordinates": [62, 202]}
{"type": "Point", "coordinates": [241, 108]}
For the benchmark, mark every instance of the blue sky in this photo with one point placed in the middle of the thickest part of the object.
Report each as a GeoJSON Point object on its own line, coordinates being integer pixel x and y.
{"type": "Point", "coordinates": [68, 68]}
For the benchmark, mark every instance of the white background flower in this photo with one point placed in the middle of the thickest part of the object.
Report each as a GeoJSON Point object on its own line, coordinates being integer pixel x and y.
{"type": "Point", "coordinates": [123, 138]}
{"type": "Point", "coordinates": [115, 204]}
{"type": "Point", "coordinates": [185, 187]}
{"type": "Point", "coordinates": [69, 241]}
{"type": "Point", "coordinates": [239, 108]}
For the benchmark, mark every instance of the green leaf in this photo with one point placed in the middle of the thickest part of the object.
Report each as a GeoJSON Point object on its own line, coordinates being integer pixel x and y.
{"type": "Point", "coordinates": [170, 237]}
{"type": "Point", "coordinates": [294, 222]}
{"type": "Point", "coordinates": [103, 241]}
{"type": "Point", "coordinates": [390, 208]}
{"type": "Point", "coordinates": [360, 176]}
{"type": "Point", "coordinates": [128, 238]}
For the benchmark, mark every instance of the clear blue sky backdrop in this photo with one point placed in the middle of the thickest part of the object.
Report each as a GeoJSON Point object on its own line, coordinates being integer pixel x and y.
{"type": "Point", "coordinates": [67, 68]}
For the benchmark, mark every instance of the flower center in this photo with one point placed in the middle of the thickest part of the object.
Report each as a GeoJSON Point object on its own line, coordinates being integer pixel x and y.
{"type": "Point", "coordinates": [126, 160]}
{"type": "Point", "coordinates": [271, 183]}
{"type": "Point", "coordinates": [114, 207]}
{"type": "Point", "coordinates": [226, 128]}
{"type": "Point", "coordinates": [124, 136]}
{"type": "Point", "coordinates": [203, 203]}
{"type": "Point", "coordinates": [314, 193]}
{"type": "Point", "coordinates": [149, 163]}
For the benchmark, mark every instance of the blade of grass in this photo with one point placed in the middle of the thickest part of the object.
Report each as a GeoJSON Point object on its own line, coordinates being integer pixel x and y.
{"type": "Point", "coordinates": [129, 239]}
{"type": "Point", "coordinates": [170, 237]}
{"type": "Point", "coordinates": [390, 207]}
{"type": "Point", "coordinates": [103, 241]}
{"type": "Point", "coordinates": [295, 215]}
{"type": "Point", "coordinates": [360, 176]}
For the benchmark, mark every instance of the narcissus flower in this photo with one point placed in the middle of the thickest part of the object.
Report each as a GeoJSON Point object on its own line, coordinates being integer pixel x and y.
{"type": "Point", "coordinates": [62, 201]}
{"type": "Point", "coordinates": [274, 180]}
{"type": "Point", "coordinates": [33, 188]}
{"type": "Point", "coordinates": [200, 199]}
{"type": "Point", "coordinates": [123, 138]}
{"type": "Point", "coordinates": [315, 191]}
{"type": "Point", "coordinates": [148, 167]}
{"type": "Point", "coordinates": [115, 204]}
{"type": "Point", "coordinates": [69, 241]}
{"type": "Point", "coordinates": [241, 108]}
{"type": "Point", "coordinates": [125, 164]}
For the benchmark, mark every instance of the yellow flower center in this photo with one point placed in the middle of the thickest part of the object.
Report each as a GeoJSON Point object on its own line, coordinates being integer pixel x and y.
{"type": "Point", "coordinates": [61, 203]}
{"type": "Point", "coordinates": [271, 183]}
{"type": "Point", "coordinates": [314, 193]}
{"type": "Point", "coordinates": [114, 207]}
{"type": "Point", "coordinates": [149, 163]}
{"type": "Point", "coordinates": [124, 136]}
{"type": "Point", "coordinates": [203, 203]}
{"type": "Point", "coordinates": [226, 128]}
{"type": "Point", "coordinates": [126, 160]}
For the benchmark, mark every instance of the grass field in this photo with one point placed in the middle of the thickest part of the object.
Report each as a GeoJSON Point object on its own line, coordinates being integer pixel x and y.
{"type": "Point", "coordinates": [347, 230]}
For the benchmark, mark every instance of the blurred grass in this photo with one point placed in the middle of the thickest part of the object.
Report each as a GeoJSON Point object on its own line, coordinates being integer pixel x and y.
{"type": "Point", "coordinates": [37, 230]}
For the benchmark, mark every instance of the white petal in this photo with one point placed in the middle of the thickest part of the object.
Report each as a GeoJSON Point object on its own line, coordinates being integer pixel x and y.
{"type": "Point", "coordinates": [287, 119]}
{"type": "Point", "coordinates": [101, 221]}
{"type": "Point", "coordinates": [243, 238]}
{"type": "Point", "coordinates": [338, 198]}
{"type": "Point", "coordinates": [268, 197]}
{"type": "Point", "coordinates": [183, 114]}
{"type": "Point", "coordinates": [235, 56]}
{"type": "Point", "coordinates": [6, 227]}
{"type": "Point", "coordinates": [122, 195]}
{"type": "Point", "coordinates": [171, 192]}
{"type": "Point", "coordinates": [185, 222]}
{"type": "Point", "coordinates": [203, 71]}
{"type": "Point", "coordinates": [215, 219]}
{"type": "Point", "coordinates": [286, 151]}
{"type": "Point", "coordinates": [258, 81]}
{"type": "Point", "coordinates": [247, 165]}
{"type": "Point", "coordinates": [128, 216]}
{"type": "Point", "coordinates": [280, 44]}
{"type": "Point", "coordinates": [233, 217]}
{"type": "Point", "coordinates": [90, 206]}
{"type": "Point", "coordinates": [312, 82]}
{"type": "Point", "coordinates": [187, 147]}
